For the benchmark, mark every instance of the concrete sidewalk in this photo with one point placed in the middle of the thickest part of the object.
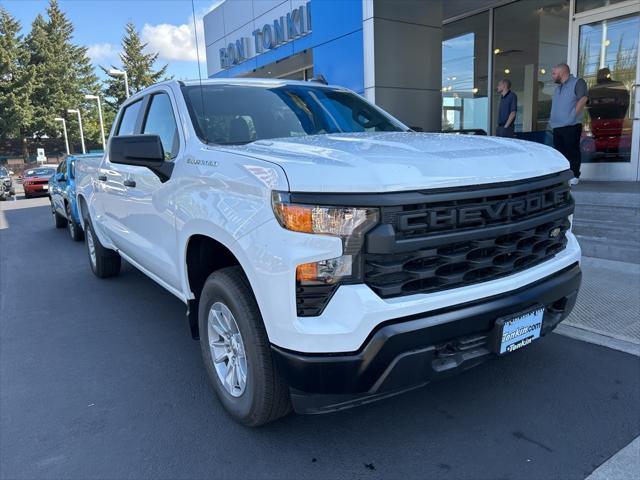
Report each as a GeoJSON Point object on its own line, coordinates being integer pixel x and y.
{"type": "Point", "coordinates": [609, 300]}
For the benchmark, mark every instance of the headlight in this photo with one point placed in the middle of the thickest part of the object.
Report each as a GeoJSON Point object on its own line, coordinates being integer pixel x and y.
{"type": "Point", "coordinates": [348, 223]}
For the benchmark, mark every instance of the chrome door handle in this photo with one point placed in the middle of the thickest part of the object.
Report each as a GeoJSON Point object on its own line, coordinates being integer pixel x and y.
{"type": "Point", "coordinates": [102, 178]}
{"type": "Point", "coordinates": [129, 183]}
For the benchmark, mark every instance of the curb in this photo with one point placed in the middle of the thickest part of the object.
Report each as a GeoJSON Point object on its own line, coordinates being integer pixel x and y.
{"type": "Point", "coordinates": [584, 335]}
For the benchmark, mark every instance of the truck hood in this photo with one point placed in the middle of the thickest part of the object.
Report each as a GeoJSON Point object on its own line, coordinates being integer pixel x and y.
{"type": "Point", "coordinates": [396, 161]}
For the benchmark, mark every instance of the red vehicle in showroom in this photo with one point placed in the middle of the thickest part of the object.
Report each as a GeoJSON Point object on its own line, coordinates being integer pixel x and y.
{"type": "Point", "coordinates": [36, 181]}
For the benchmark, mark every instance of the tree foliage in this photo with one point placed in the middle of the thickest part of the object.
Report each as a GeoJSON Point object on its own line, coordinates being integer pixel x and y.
{"type": "Point", "coordinates": [15, 78]}
{"type": "Point", "coordinates": [63, 73]}
{"type": "Point", "coordinates": [138, 65]}
{"type": "Point", "coordinates": [44, 73]}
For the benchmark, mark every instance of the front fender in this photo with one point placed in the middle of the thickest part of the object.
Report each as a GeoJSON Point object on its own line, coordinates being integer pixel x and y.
{"type": "Point", "coordinates": [213, 231]}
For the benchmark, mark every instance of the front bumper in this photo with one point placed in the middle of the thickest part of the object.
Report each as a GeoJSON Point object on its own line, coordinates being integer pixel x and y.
{"type": "Point", "coordinates": [36, 189]}
{"type": "Point", "coordinates": [408, 352]}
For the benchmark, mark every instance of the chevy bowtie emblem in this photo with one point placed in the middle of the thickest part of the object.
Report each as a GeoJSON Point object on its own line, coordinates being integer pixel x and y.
{"type": "Point", "coordinates": [555, 232]}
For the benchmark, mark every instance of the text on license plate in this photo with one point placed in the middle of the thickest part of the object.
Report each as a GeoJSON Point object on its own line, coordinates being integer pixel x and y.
{"type": "Point", "coordinates": [520, 331]}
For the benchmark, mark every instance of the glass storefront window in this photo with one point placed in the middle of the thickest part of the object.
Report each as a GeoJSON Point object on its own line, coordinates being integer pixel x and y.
{"type": "Point", "coordinates": [584, 5]}
{"type": "Point", "coordinates": [607, 60]}
{"type": "Point", "coordinates": [530, 37]}
{"type": "Point", "coordinates": [465, 48]}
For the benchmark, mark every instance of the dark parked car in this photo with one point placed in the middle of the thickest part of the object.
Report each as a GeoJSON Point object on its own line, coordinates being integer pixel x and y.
{"type": "Point", "coordinates": [6, 184]}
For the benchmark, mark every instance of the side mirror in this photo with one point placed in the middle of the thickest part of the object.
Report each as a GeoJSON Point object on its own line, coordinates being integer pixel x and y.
{"type": "Point", "coordinates": [137, 150]}
{"type": "Point", "coordinates": [60, 177]}
{"type": "Point", "coordinates": [140, 151]}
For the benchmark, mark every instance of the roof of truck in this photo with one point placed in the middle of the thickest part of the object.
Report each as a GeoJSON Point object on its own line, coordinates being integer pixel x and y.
{"type": "Point", "coordinates": [257, 82]}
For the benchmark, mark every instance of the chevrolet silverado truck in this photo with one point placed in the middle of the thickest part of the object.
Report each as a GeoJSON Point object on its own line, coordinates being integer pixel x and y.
{"type": "Point", "coordinates": [328, 255]}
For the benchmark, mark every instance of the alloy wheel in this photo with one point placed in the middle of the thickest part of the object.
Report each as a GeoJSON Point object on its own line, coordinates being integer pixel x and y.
{"type": "Point", "coordinates": [70, 223]}
{"type": "Point", "coordinates": [92, 247]}
{"type": "Point", "coordinates": [227, 349]}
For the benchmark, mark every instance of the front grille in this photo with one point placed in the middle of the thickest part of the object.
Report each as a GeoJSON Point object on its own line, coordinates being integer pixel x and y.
{"type": "Point", "coordinates": [434, 240]}
{"type": "Point", "coordinates": [464, 263]}
{"type": "Point", "coordinates": [474, 210]}
{"type": "Point", "coordinates": [474, 236]}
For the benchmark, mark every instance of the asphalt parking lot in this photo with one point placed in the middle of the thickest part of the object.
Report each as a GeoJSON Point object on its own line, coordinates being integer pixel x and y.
{"type": "Point", "coordinates": [100, 379]}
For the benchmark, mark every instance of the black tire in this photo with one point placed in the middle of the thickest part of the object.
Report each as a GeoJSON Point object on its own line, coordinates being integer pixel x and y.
{"type": "Point", "coordinates": [58, 219]}
{"type": "Point", "coordinates": [75, 231]}
{"type": "Point", "coordinates": [265, 397]}
{"type": "Point", "coordinates": [106, 262]}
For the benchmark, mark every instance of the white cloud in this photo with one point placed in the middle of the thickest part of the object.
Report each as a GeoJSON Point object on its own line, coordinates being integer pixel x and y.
{"type": "Point", "coordinates": [172, 42]}
{"type": "Point", "coordinates": [177, 42]}
{"type": "Point", "coordinates": [103, 52]}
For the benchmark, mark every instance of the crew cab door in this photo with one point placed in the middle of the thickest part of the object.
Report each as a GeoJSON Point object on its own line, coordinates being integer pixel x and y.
{"type": "Point", "coordinates": [148, 217]}
{"type": "Point", "coordinates": [110, 192]}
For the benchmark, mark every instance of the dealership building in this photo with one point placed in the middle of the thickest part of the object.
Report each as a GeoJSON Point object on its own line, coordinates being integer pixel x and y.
{"type": "Point", "coordinates": [435, 64]}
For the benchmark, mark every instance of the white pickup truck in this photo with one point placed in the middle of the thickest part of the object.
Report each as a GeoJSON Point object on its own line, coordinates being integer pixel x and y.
{"type": "Point", "coordinates": [328, 255]}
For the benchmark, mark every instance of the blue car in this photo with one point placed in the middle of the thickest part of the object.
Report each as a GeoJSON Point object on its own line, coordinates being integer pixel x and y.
{"type": "Point", "coordinates": [62, 193]}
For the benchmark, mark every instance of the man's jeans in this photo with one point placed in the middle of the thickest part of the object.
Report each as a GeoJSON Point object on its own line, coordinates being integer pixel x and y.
{"type": "Point", "coordinates": [567, 141]}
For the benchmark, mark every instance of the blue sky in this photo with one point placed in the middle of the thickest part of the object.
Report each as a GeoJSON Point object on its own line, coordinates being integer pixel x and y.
{"type": "Point", "coordinates": [167, 26]}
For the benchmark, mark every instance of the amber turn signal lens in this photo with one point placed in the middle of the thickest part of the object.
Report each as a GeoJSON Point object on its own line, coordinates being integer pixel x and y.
{"type": "Point", "coordinates": [295, 217]}
{"type": "Point", "coordinates": [307, 272]}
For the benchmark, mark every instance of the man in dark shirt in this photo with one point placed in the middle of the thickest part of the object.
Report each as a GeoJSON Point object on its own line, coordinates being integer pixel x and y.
{"type": "Point", "coordinates": [507, 109]}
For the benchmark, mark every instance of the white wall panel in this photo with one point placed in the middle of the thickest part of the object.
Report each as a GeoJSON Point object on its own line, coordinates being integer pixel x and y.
{"type": "Point", "coordinates": [213, 26]}
{"type": "Point", "coordinates": [213, 57]}
{"type": "Point", "coordinates": [261, 7]}
{"type": "Point", "coordinates": [237, 13]}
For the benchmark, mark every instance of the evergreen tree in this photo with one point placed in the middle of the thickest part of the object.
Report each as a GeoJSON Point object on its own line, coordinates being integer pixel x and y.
{"type": "Point", "coordinates": [15, 79]}
{"type": "Point", "coordinates": [63, 74]}
{"type": "Point", "coordinates": [138, 65]}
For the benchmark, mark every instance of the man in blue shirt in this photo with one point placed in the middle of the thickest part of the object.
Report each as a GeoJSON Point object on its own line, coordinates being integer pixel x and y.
{"type": "Point", "coordinates": [507, 109]}
{"type": "Point", "coordinates": [567, 110]}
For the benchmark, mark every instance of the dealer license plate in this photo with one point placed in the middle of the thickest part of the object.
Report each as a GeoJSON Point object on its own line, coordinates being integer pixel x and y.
{"type": "Point", "coordinates": [520, 331]}
{"type": "Point", "coordinates": [45, 187]}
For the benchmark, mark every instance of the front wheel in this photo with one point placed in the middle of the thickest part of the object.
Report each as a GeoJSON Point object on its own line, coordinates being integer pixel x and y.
{"type": "Point", "coordinates": [236, 350]}
{"type": "Point", "coordinates": [104, 262]}
{"type": "Point", "coordinates": [74, 229]}
{"type": "Point", "coordinates": [58, 219]}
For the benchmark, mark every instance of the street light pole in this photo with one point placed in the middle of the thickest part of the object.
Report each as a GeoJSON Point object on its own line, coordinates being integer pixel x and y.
{"type": "Point", "coordinates": [74, 110]}
{"type": "Point", "coordinates": [97, 97]}
{"type": "Point", "coordinates": [114, 72]}
{"type": "Point", "coordinates": [64, 129]}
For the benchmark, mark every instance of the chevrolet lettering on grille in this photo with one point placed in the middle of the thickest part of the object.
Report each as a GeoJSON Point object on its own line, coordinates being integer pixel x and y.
{"type": "Point", "coordinates": [479, 214]}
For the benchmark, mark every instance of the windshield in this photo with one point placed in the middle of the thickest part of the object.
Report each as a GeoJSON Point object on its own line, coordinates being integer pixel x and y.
{"type": "Point", "coordinates": [40, 172]}
{"type": "Point", "coordinates": [239, 114]}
